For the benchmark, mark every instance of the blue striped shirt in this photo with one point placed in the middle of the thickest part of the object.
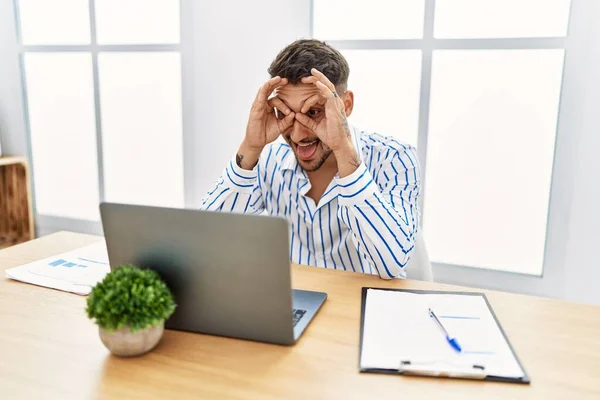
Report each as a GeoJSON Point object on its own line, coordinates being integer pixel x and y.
{"type": "Point", "coordinates": [365, 222]}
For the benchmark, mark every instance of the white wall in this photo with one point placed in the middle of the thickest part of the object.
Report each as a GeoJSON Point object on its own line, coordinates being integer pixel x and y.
{"type": "Point", "coordinates": [234, 44]}
{"type": "Point", "coordinates": [581, 122]}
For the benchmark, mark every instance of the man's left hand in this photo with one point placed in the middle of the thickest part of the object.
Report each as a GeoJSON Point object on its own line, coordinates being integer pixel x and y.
{"type": "Point", "coordinates": [333, 129]}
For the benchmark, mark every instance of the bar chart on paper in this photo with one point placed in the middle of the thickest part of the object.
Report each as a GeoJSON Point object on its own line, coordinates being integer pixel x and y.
{"type": "Point", "coordinates": [75, 268]}
{"type": "Point", "coordinates": [75, 271]}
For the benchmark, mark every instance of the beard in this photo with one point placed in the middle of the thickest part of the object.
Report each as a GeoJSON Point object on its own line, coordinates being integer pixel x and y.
{"type": "Point", "coordinates": [319, 163]}
{"type": "Point", "coordinates": [311, 166]}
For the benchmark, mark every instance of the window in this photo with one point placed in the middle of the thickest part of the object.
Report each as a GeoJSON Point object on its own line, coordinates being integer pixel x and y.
{"type": "Point", "coordinates": [399, 118]}
{"type": "Point", "coordinates": [476, 19]}
{"type": "Point", "coordinates": [140, 99]}
{"type": "Point", "coordinates": [55, 22]}
{"type": "Point", "coordinates": [374, 19]}
{"type": "Point", "coordinates": [476, 86]}
{"type": "Point", "coordinates": [103, 90]}
{"type": "Point", "coordinates": [137, 21]}
{"type": "Point", "coordinates": [489, 156]}
{"type": "Point", "coordinates": [61, 119]}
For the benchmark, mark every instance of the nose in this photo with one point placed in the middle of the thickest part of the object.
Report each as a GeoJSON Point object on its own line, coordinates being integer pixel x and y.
{"type": "Point", "coordinates": [299, 132]}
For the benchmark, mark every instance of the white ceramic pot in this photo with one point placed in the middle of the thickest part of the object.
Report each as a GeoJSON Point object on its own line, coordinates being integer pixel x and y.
{"type": "Point", "coordinates": [124, 343]}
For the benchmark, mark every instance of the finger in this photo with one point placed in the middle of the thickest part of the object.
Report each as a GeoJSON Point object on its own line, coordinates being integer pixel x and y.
{"type": "Point", "coordinates": [315, 99]}
{"type": "Point", "coordinates": [314, 80]}
{"type": "Point", "coordinates": [309, 79]}
{"type": "Point", "coordinates": [334, 105]}
{"type": "Point", "coordinates": [306, 121]}
{"type": "Point", "coordinates": [322, 78]}
{"type": "Point", "coordinates": [325, 91]}
{"type": "Point", "coordinates": [267, 88]}
{"type": "Point", "coordinates": [285, 123]}
{"type": "Point", "coordinates": [275, 102]}
{"type": "Point", "coordinates": [283, 82]}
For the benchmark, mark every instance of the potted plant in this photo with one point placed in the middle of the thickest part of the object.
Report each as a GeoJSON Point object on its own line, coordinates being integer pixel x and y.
{"type": "Point", "coordinates": [130, 306]}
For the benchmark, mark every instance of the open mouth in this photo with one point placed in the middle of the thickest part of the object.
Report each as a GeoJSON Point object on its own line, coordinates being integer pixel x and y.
{"type": "Point", "coordinates": [306, 150]}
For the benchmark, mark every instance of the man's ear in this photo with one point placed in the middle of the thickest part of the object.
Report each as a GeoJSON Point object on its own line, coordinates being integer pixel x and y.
{"type": "Point", "coordinates": [348, 99]}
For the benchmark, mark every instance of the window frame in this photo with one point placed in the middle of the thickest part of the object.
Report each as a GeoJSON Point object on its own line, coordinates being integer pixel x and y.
{"type": "Point", "coordinates": [549, 281]}
{"type": "Point", "coordinates": [51, 223]}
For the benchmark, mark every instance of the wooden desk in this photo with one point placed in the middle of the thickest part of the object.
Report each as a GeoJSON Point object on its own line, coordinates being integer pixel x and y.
{"type": "Point", "coordinates": [49, 349]}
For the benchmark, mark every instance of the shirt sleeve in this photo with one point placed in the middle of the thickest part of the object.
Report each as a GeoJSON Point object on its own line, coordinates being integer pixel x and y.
{"type": "Point", "coordinates": [237, 190]}
{"type": "Point", "coordinates": [383, 218]}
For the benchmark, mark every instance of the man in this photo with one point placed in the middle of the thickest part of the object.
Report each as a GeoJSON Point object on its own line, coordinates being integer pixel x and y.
{"type": "Point", "coordinates": [351, 197]}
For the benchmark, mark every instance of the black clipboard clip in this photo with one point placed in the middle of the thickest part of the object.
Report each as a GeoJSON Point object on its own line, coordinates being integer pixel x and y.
{"type": "Point", "coordinates": [440, 369]}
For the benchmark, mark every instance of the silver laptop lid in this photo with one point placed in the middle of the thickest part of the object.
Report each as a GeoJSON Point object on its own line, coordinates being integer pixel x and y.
{"type": "Point", "coordinates": [229, 273]}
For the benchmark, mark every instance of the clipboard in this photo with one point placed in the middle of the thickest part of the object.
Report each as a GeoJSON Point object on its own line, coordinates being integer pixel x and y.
{"type": "Point", "coordinates": [407, 367]}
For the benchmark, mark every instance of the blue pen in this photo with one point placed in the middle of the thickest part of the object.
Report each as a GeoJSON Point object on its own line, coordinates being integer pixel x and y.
{"type": "Point", "coordinates": [452, 341]}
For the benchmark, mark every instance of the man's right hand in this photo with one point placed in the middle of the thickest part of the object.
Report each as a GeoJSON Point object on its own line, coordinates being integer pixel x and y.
{"type": "Point", "coordinates": [263, 125]}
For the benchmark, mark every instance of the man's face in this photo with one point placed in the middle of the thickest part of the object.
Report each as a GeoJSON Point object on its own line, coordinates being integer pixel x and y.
{"type": "Point", "coordinates": [310, 152]}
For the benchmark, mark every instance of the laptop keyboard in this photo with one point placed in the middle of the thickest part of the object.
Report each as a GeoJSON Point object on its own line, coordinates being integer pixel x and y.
{"type": "Point", "coordinates": [298, 314]}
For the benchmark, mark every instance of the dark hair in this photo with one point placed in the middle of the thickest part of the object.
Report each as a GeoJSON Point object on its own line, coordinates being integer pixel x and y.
{"type": "Point", "coordinates": [295, 61]}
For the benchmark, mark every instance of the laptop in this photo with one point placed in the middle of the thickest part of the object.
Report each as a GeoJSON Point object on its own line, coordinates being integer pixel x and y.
{"type": "Point", "coordinates": [229, 273]}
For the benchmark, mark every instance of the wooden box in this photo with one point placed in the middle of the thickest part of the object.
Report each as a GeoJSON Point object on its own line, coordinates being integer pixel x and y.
{"type": "Point", "coordinates": [16, 215]}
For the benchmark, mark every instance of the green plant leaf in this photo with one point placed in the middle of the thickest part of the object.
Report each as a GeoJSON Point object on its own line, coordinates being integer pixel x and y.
{"type": "Point", "coordinates": [130, 296]}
